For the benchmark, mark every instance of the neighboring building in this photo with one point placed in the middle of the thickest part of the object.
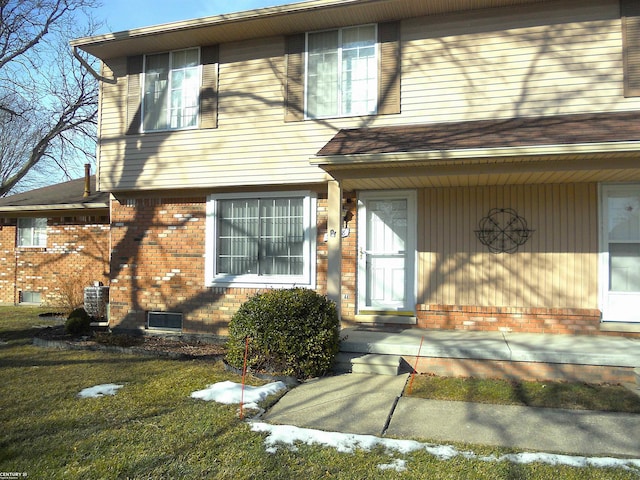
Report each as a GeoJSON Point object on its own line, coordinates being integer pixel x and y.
{"type": "Point", "coordinates": [471, 164]}
{"type": "Point", "coordinates": [54, 241]}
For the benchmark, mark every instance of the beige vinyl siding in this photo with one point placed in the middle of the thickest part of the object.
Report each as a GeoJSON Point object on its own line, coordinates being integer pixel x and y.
{"type": "Point", "coordinates": [550, 59]}
{"type": "Point", "coordinates": [557, 267]}
{"type": "Point", "coordinates": [536, 62]}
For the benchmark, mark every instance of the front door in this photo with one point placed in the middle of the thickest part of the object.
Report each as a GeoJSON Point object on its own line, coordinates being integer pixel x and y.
{"type": "Point", "coordinates": [386, 252]}
{"type": "Point", "coordinates": [620, 253]}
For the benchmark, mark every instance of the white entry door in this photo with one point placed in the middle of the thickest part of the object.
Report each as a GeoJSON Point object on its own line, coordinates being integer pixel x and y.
{"type": "Point", "coordinates": [386, 251]}
{"type": "Point", "coordinates": [620, 255]}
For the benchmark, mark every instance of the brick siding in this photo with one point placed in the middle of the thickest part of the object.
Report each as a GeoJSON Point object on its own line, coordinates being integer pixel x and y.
{"type": "Point", "coordinates": [76, 255]}
{"type": "Point", "coordinates": [509, 319]}
{"type": "Point", "coordinates": [158, 264]}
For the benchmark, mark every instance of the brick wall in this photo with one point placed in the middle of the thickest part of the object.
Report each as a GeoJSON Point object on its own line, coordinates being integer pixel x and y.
{"type": "Point", "coordinates": [350, 262]}
{"type": "Point", "coordinates": [158, 264]}
{"type": "Point", "coordinates": [7, 262]}
{"type": "Point", "coordinates": [76, 255]}
{"type": "Point", "coordinates": [509, 319]}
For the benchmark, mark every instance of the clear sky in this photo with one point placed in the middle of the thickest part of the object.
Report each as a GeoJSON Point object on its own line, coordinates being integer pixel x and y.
{"type": "Point", "coordinates": [120, 15]}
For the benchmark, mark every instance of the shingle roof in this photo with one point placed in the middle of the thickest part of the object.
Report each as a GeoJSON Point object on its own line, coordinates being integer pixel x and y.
{"type": "Point", "coordinates": [517, 132]}
{"type": "Point", "coordinates": [66, 195]}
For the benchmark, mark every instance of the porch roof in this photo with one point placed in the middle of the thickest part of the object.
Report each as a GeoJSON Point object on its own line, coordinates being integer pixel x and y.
{"type": "Point", "coordinates": [561, 148]}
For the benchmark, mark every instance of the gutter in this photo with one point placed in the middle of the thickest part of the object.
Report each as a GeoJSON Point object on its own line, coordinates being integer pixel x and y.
{"type": "Point", "coordinates": [69, 206]}
{"type": "Point", "coordinates": [216, 20]}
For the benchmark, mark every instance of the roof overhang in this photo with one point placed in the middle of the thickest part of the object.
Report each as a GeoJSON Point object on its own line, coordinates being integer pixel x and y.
{"type": "Point", "coordinates": [480, 154]}
{"type": "Point", "coordinates": [498, 152]}
{"type": "Point", "coordinates": [272, 21]}
{"type": "Point", "coordinates": [483, 171]}
{"type": "Point", "coordinates": [55, 210]}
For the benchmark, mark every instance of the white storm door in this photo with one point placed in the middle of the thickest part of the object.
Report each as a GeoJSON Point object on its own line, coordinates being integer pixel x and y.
{"type": "Point", "coordinates": [620, 254]}
{"type": "Point", "coordinates": [386, 252]}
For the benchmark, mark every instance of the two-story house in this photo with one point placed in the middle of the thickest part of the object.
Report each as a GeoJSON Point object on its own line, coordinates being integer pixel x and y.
{"type": "Point", "coordinates": [471, 164]}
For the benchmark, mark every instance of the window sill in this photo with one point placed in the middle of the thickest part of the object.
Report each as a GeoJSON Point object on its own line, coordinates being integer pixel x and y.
{"type": "Point", "coordinates": [260, 284]}
{"type": "Point", "coordinates": [362, 116]}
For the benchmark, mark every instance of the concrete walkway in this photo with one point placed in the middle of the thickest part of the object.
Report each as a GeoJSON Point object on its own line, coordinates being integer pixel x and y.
{"type": "Point", "coordinates": [515, 347]}
{"type": "Point", "coordinates": [373, 405]}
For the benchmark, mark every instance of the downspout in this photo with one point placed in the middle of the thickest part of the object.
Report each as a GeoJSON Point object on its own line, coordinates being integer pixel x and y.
{"type": "Point", "coordinates": [90, 69]}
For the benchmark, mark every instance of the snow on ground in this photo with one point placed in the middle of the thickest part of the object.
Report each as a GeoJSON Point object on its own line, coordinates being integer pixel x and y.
{"type": "Point", "coordinates": [100, 390]}
{"type": "Point", "coordinates": [286, 436]}
{"type": "Point", "coordinates": [230, 393]}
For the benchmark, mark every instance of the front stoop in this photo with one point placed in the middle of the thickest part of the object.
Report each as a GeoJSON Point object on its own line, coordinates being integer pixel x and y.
{"type": "Point", "coordinates": [376, 364]}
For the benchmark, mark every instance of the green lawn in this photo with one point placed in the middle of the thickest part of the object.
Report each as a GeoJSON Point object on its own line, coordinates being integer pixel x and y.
{"type": "Point", "coordinates": [579, 396]}
{"type": "Point", "coordinates": [153, 429]}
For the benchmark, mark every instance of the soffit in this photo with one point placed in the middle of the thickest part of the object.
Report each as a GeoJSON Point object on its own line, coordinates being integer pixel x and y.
{"type": "Point", "coordinates": [599, 167]}
{"type": "Point", "coordinates": [266, 22]}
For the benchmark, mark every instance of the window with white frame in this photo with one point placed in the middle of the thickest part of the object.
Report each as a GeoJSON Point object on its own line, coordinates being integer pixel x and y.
{"type": "Point", "coordinates": [32, 232]}
{"type": "Point", "coordinates": [261, 239]}
{"type": "Point", "coordinates": [342, 72]}
{"type": "Point", "coordinates": [171, 88]}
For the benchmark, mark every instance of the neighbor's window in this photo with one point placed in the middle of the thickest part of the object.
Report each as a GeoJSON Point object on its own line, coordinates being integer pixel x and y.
{"type": "Point", "coordinates": [171, 86]}
{"type": "Point", "coordinates": [32, 232]}
{"type": "Point", "coordinates": [30, 297]}
{"type": "Point", "coordinates": [342, 72]}
{"type": "Point", "coordinates": [261, 239]}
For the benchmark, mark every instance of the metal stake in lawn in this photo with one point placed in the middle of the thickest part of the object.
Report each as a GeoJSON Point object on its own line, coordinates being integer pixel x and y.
{"type": "Point", "coordinates": [244, 375]}
{"type": "Point", "coordinates": [415, 366]}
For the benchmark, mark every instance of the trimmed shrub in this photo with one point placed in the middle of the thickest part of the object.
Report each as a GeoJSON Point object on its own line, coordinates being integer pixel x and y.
{"type": "Point", "coordinates": [291, 332]}
{"type": "Point", "coordinates": [78, 322]}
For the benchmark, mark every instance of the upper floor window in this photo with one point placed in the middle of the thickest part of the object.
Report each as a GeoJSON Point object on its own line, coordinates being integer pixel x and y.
{"type": "Point", "coordinates": [32, 232]}
{"type": "Point", "coordinates": [171, 88]}
{"type": "Point", "coordinates": [342, 72]}
{"type": "Point", "coordinates": [261, 239]}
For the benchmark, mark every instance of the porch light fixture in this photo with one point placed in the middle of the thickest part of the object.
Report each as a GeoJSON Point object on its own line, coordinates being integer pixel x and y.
{"type": "Point", "coordinates": [347, 216]}
{"type": "Point", "coordinates": [503, 230]}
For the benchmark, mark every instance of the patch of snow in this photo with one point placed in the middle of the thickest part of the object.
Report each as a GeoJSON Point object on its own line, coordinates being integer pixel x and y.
{"type": "Point", "coordinates": [397, 465]}
{"type": "Point", "coordinates": [100, 390]}
{"type": "Point", "coordinates": [230, 393]}
{"type": "Point", "coordinates": [288, 436]}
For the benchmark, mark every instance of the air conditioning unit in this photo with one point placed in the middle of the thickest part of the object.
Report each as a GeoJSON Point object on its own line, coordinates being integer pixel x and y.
{"type": "Point", "coordinates": [96, 299]}
{"type": "Point", "coordinates": [164, 320]}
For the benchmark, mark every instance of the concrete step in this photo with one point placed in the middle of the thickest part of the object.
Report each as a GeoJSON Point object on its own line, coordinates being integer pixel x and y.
{"type": "Point", "coordinates": [376, 364]}
{"type": "Point", "coordinates": [343, 362]}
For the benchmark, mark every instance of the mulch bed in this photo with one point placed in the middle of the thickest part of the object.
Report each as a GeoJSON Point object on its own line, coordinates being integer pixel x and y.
{"type": "Point", "coordinates": [55, 337]}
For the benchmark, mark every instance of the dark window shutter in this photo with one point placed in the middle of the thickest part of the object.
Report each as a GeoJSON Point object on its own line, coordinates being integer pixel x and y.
{"type": "Point", "coordinates": [134, 105]}
{"type": "Point", "coordinates": [389, 74]}
{"type": "Point", "coordinates": [294, 78]}
{"type": "Point", "coordinates": [209, 90]}
{"type": "Point", "coordinates": [630, 10]}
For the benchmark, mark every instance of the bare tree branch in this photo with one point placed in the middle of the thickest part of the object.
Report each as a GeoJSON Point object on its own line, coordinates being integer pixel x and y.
{"type": "Point", "coordinates": [48, 100]}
